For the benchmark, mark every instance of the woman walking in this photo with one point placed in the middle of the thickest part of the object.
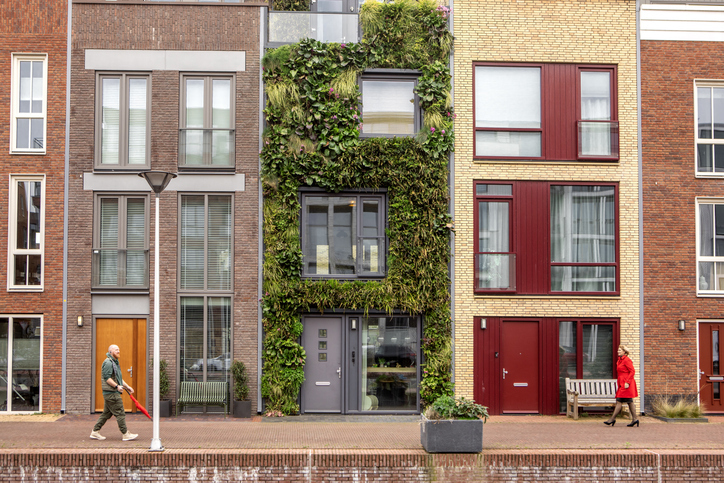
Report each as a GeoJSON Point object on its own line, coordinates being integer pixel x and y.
{"type": "Point", "coordinates": [626, 387]}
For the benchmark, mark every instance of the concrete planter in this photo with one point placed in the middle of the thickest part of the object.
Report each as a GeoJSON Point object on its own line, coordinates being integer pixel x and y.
{"type": "Point", "coordinates": [452, 435]}
{"type": "Point", "coordinates": [164, 409]}
{"type": "Point", "coordinates": [242, 409]}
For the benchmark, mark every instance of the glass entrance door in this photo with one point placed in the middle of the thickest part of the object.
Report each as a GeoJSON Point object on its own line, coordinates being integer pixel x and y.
{"type": "Point", "coordinates": [20, 364]}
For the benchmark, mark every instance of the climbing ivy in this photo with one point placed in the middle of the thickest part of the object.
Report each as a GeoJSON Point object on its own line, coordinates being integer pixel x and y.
{"type": "Point", "coordinates": [312, 139]}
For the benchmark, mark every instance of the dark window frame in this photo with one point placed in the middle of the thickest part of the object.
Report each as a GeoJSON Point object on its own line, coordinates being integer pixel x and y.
{"type": "Point", "coordinates": [391, 75]}
{"type": "Point", "coordinates": [123, 164]}
{"type": "Point", "coordinates": [121, 231]}
{"type": "Point", "coordinates": [207, 128]}
{"type": "Point", "coordinates": [360, 196]}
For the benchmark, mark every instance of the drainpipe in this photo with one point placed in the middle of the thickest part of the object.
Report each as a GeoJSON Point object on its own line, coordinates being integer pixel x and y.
{"type": "Point", "coordinates": [451, 191]}
{"type": "Point", "coordinates": [641, 205]}
{"type": "Point", "coordinates": [260, 227]}
{"type": "Point", "coordinates": [64, 350]}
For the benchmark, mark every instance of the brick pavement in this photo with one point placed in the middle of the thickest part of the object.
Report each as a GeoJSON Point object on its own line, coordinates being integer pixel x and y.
{"type": "Point", "coordinates": [215, 432]}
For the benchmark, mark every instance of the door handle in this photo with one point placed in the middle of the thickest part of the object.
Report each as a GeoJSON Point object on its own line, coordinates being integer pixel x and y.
{"type": "Point", "coordinates": [504, 372]}
{"type": "Point", "coordinates": [130, 371]}
{"type": "Point", "coordinates": [339, 372]}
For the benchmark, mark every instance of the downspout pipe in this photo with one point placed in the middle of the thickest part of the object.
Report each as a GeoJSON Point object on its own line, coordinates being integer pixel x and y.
{"type": "Point", "coordinates": [641, 207]}
{"type": "Point", "coordinates": [64, 350]}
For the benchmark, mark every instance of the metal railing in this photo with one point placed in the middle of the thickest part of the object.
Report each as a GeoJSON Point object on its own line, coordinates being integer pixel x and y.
{"type": "Point", "coordinates": [598, 139]}
{"type": "Point", "coordinates": [117, 268]}
{"type": "Point", "coordinates": [291, 27]}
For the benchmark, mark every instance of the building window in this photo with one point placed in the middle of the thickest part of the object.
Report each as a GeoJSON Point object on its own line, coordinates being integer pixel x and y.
{"type": "Point", "coordinates": [548, 111]}
{"type": "Point", "coordinates": [336, 228]}
{"type": "Point", "coordinates": [206, 137]}
{"type": "Point", "coordinates": [123, 121]}
{"type": "Point", "coordinates": [20, 368]}
{"type": "Point", "coordinates": [26, 233]}
{"type": "Point", "coordinates": [578, 255]}
{"type": "Point", "coordinates": [389, 105]}
{"type": "Point", "coordinates": [710, 247]}
{"type": "Point", "coordinates": [120, 242]}
{"type": "Point", "coordinates": [205, 339]}
{"type": "Point", "coordinates": [205, 243]}
{"type": "Point", "coordinates": [709, 129]}
{"type": "Point", "coordinates": [29, 104]}
{"type": "Point", "coordinates": [586, 350]}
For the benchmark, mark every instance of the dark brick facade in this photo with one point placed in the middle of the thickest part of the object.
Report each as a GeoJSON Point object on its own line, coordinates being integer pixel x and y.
{"type": "Point", "coordinates": [670, 189]}
{"type": "Point", "coordinates": [340, 465]}
{"type": "Point", "coordinates": [37, 27]}
{"type": "Point", "coordinates": [146, 26]}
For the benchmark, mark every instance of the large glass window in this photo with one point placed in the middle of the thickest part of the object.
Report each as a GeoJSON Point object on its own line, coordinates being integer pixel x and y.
{"type": "Point", "coordinates": [709, 129]}
{"type": "Point", "coordinates": [20, 356]}
{"type": "Point", "coordinates": [389, 363]}
{"type": "Point", "coordinates": [556, 112]}
{"type": "Point", "coordinates": [27, 232]}
{"type": "Point", "coordinates": [205, 242]}
{"type": "Point", "coordinates": [205, 340]}
{"type": "Point", "coordinates": [120, 242]}
{"type": "Point", "coordinates": [710, 247]}
{"type": "Point", "coordinates": [537, 237]}
{"type": "Point", "coordinates": [123, 121]}
{"type": "Point", "coordinates": [207, 122]}
{"type": "Point", "coordinates": [343, 235]}
{"type": "Point", "coordinates": [585, 351]}
{"type": "Point", "coordinates": [389, 106]}
{"type": "Point", "coordinates": [29, 104]}
{"type": "Point", "coordinates": [583, 239]}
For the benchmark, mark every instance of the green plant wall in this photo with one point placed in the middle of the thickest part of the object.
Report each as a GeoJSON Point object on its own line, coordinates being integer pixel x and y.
{"type": "Point", "coordinates": [312, 139]}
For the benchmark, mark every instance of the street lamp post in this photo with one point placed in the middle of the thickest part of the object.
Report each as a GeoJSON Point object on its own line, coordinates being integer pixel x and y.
{"type": "Point", "coordinates": [157, 180]}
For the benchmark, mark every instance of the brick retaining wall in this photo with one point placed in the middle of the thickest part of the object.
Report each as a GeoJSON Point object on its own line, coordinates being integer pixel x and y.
{"type": "Point", "coordinates": [360, 465]}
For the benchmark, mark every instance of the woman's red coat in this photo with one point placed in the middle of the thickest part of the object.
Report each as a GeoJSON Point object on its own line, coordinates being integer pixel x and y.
{"type": "Point", "coordinates": [625, 370]}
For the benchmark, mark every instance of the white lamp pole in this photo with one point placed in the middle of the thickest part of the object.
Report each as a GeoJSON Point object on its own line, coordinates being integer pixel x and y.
{"type": "Point", "coordinates": [157, 180]}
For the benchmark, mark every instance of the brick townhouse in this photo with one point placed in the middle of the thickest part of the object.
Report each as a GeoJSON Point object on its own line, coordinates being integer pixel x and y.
{"type": "Point", "coordinates": [33, 71]}
{"type": "Point", "coordinates": [546, 273]}
{"type": "Point", "coordinates": [682, 107]}
{"type": "Point", "coordinates": [169, 86]}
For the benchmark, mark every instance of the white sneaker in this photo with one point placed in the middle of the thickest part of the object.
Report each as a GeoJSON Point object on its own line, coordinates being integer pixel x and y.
{"type": "Point", "coordinates": [129, 436]}
{"type": "Point", "coordinates": [97, 435]}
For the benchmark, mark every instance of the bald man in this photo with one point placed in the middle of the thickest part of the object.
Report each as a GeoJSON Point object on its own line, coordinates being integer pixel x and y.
{"type": "Point", "coordinates": [113, 385]}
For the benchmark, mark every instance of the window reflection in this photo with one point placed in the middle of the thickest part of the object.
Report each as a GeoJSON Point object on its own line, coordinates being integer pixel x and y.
{"type": "Point", "coordinates": [389, 363]}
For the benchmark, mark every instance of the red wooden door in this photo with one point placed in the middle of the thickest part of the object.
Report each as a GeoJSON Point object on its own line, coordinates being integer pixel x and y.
{"type": "Point", "coordinates": [519, 362]}
{"type": "Point", "coordinates": [711, 380]}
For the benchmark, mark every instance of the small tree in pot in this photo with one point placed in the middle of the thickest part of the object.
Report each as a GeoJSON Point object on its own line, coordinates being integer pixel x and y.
{"type": "Point", "coordinates": [242, 405]}
{"type": "Point", "coordinates": [164, 406]}
{"type": "Point", "coordinates": [452, 425]}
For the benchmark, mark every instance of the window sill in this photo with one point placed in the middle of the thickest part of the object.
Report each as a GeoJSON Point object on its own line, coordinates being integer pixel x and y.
{"type": "Point", "coordinates": [119, 291]}
{"type": "Point", "coordinates": [31, 153]}
{"type": "Point", "coordinates": [26, 289]}
{"type": "Point", "coordinates": [549, 297]}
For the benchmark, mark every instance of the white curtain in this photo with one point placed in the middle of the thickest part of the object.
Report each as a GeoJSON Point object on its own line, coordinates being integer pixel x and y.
{"type": "Point", "coordinates": [596, 106]}
{"type": "Point", "coordinates": [493, 236]}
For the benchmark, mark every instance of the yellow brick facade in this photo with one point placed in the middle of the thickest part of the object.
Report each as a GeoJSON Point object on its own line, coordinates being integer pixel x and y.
{"type": "Point", "coordinates": [583, 31]}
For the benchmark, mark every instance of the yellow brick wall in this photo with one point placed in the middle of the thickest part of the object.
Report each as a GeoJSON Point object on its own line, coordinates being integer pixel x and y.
{"type": "Point", "coordinates": [584, 31]}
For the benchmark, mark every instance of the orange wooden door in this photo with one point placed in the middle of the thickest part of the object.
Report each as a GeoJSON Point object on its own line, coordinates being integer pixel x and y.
{"type": "Point", "coordinates": [130, 336]}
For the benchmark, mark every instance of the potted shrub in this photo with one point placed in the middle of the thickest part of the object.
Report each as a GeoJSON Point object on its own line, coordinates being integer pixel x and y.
{"type": "Point", "coordinates": [452, 425]}
{"type": "Point", "coordinates": [242, 405]}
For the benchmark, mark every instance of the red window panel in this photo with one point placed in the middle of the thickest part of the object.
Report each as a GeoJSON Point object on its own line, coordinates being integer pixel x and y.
{"type": "Point", "coordinates": [557, 112]}
{"type": "Point", "coordinates": [546, 238]}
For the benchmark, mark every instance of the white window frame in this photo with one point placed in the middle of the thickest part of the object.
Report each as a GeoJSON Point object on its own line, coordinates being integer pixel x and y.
{"type": "Point", "coordinates": [15, 113]}
{"type": "Point", "coordinates": [10, 318]}
{"type": "Point", "coordinates": [12, 234]}
{"type": "Point", "coordinates": [710, 259]}
{"type": "Point", "coordinates": [697, 141]}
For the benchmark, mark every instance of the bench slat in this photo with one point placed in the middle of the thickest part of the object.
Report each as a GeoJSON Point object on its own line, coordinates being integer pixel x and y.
{"type": "Point", "coordinates": [589, 392]}
{"type": "Point", "coordinates": [196, 393]}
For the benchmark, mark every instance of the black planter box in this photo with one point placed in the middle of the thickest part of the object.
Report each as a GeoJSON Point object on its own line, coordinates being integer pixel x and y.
{"type": "Point", "coordinates": [242, 409]}
{"type": "Point", "coordinates": [452, 435]}
{"type": "Point", "coordinates": [164, 408]}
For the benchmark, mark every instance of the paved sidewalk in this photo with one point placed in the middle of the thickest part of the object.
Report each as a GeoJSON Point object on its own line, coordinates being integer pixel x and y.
{"type": "Point", "coordinates": [373, 433]}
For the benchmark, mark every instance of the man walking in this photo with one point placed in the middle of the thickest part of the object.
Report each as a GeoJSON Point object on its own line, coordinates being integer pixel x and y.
{"type": "Point", "coordinates": [112, 385]}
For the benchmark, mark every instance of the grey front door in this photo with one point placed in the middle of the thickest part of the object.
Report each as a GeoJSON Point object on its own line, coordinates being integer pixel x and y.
{"type": "Point", "coordinates": [322, 341]}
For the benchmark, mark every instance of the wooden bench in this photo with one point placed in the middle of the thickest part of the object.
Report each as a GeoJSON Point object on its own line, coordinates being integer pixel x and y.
{"type": "Point", "coordinates": [203, 393]}
{"type": "Point", "coordinates": [589, 392]}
